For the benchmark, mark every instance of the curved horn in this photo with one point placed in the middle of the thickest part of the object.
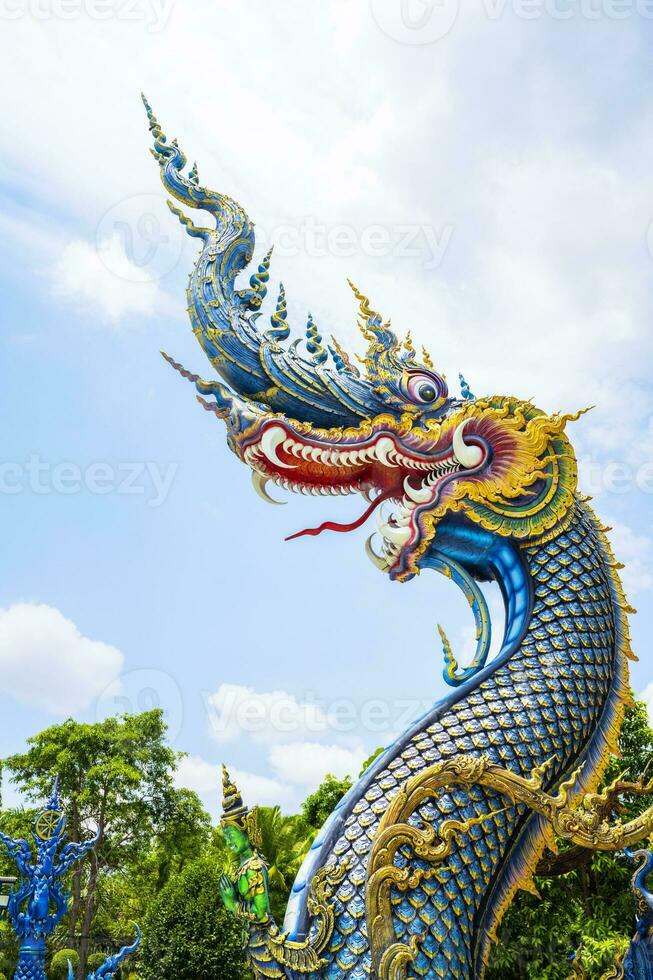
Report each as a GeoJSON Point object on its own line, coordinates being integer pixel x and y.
{"type": "Point", "coordinates": [469, 456]}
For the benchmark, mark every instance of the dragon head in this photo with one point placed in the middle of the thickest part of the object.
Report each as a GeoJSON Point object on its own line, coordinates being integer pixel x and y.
{"type": "Point", "coordinates": [304, 416]}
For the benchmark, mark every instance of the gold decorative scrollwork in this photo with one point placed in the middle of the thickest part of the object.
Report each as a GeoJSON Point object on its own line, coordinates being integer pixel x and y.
{"type": "Point", "coordinates": [616, 971]}
{"type": "Point", "coordinates": [306, 957]}
{"type": "Point", "coordinates": [581, 821]}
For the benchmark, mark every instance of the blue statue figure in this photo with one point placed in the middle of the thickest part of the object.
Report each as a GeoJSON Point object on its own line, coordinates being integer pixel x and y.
{"type": "Point", "coordinates": [40, 901]}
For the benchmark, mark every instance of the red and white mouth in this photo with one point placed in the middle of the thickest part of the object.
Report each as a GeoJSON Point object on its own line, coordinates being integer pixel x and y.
{"type": "Point", "coordinates": [381, 466]}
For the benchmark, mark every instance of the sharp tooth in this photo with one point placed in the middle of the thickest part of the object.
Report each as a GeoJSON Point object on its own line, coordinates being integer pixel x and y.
{"type": "Point", "coordinates": [468, 456]}
{"type": "Point", "coordinates": [383, 447]}
{"type": "Point", "coordinates": [397, 535]}
{"type": "Point", "coordinates": [270, 442]}
{"type": "Point", "coordinates": [420, 496]}
{"type": "Point", "coordinates": [306, 452]}
{"type": "Point", "coordinates": [376, 560]}
{"type": "Point", "coordinates": [260, 482]}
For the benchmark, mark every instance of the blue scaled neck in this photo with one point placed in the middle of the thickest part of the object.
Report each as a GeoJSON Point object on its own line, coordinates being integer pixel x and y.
{"type": "Point", "coordinates": [486, 557]}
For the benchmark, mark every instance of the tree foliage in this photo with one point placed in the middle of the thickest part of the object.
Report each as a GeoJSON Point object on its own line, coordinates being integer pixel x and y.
{"type": "Point", "coordinates": [321, 804]}
{"type": "Point", "coordinates": [59, 963]}
{"type": "Point", "coordinates": [284, 842]}
{"type": "Point", "coordinates": [187, 934]}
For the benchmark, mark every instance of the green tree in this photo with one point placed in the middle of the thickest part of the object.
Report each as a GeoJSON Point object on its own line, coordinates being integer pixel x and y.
{"type": "Point", "coordinates": [95, 960]}
{"type": "Point", "coordinates": [368, 762]}
{"type": "Point", "coordinates": [284, 842]}
{"type": "Point", "coordinates": [321, 804]}
{"type": "Point", "coordinates": [59, 963]}
{"type": "Point", "coordinates": [116, 775]}
{"type": "Point", "coordinates": [188, 935]}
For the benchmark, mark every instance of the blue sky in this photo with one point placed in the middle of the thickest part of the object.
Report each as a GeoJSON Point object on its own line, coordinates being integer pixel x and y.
{"type": "Point", "coordinates": [483, 172]}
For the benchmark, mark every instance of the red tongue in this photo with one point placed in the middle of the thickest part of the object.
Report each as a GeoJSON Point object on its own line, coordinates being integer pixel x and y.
{"type": "Point", "coordinates": [332, 526]}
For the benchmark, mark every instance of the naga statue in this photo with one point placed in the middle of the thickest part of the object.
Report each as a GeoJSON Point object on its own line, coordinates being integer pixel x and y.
{"type": "Point", "coordinates": [108, 969]}
{"type": "Point", "coordinates": [429, 847]}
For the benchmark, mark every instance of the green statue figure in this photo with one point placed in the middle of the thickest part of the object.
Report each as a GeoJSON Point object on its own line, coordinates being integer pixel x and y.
{"type": "Point", "coordinates": [248, 894]}
{"type": "Point", "coordinates": [272, 955]}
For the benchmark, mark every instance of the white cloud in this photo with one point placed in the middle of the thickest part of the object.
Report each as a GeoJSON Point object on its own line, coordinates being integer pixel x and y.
{"type": "Point", "coordinates": [307, 763]}
{"type": "Point", "coordinates": [104, 279]}
{"type": "Point", "coordinates": [291, 730]}
{"type": "Point", "coordinates": [205, 778]}
{"type": "Point", "coordinates": [274, 716]}
{"type": "Point", "coordinates": [46, 662]}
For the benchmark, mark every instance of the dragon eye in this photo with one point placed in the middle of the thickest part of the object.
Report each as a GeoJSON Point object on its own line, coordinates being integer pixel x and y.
{"type": "Point", "coordinates": [424, 388]}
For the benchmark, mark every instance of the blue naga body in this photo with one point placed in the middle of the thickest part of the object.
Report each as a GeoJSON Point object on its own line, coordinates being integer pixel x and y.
{"type": "Point", "coordinates": [483, 489]}
{"type": "Point", "coordinates": [554, 691]}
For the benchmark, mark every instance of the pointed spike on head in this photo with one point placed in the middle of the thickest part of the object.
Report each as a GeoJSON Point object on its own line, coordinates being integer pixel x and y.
{"type": "Point", "coordinates": [368, 315]}
{"type": "Point", "coordinates": [426, 357]}
{"type": "Point", "coordinates": [258, 284]}
{"type": "Point", "coordinates": [464, 390]}
{"type": "Point", "coordinates": [54, 802]}
{"type": "Point", "coordinates": [314, 343]}
{"type": "Point", "coordinates": [280, 329]}
{"type": "Point", "coordinates": [341, 359]}
{"type": "Point", "coordinates": [155, 128]}
{"type": "Point", "coordinates": [191, 229]}
{"type": "Point", "coordinates": [337, 360]}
